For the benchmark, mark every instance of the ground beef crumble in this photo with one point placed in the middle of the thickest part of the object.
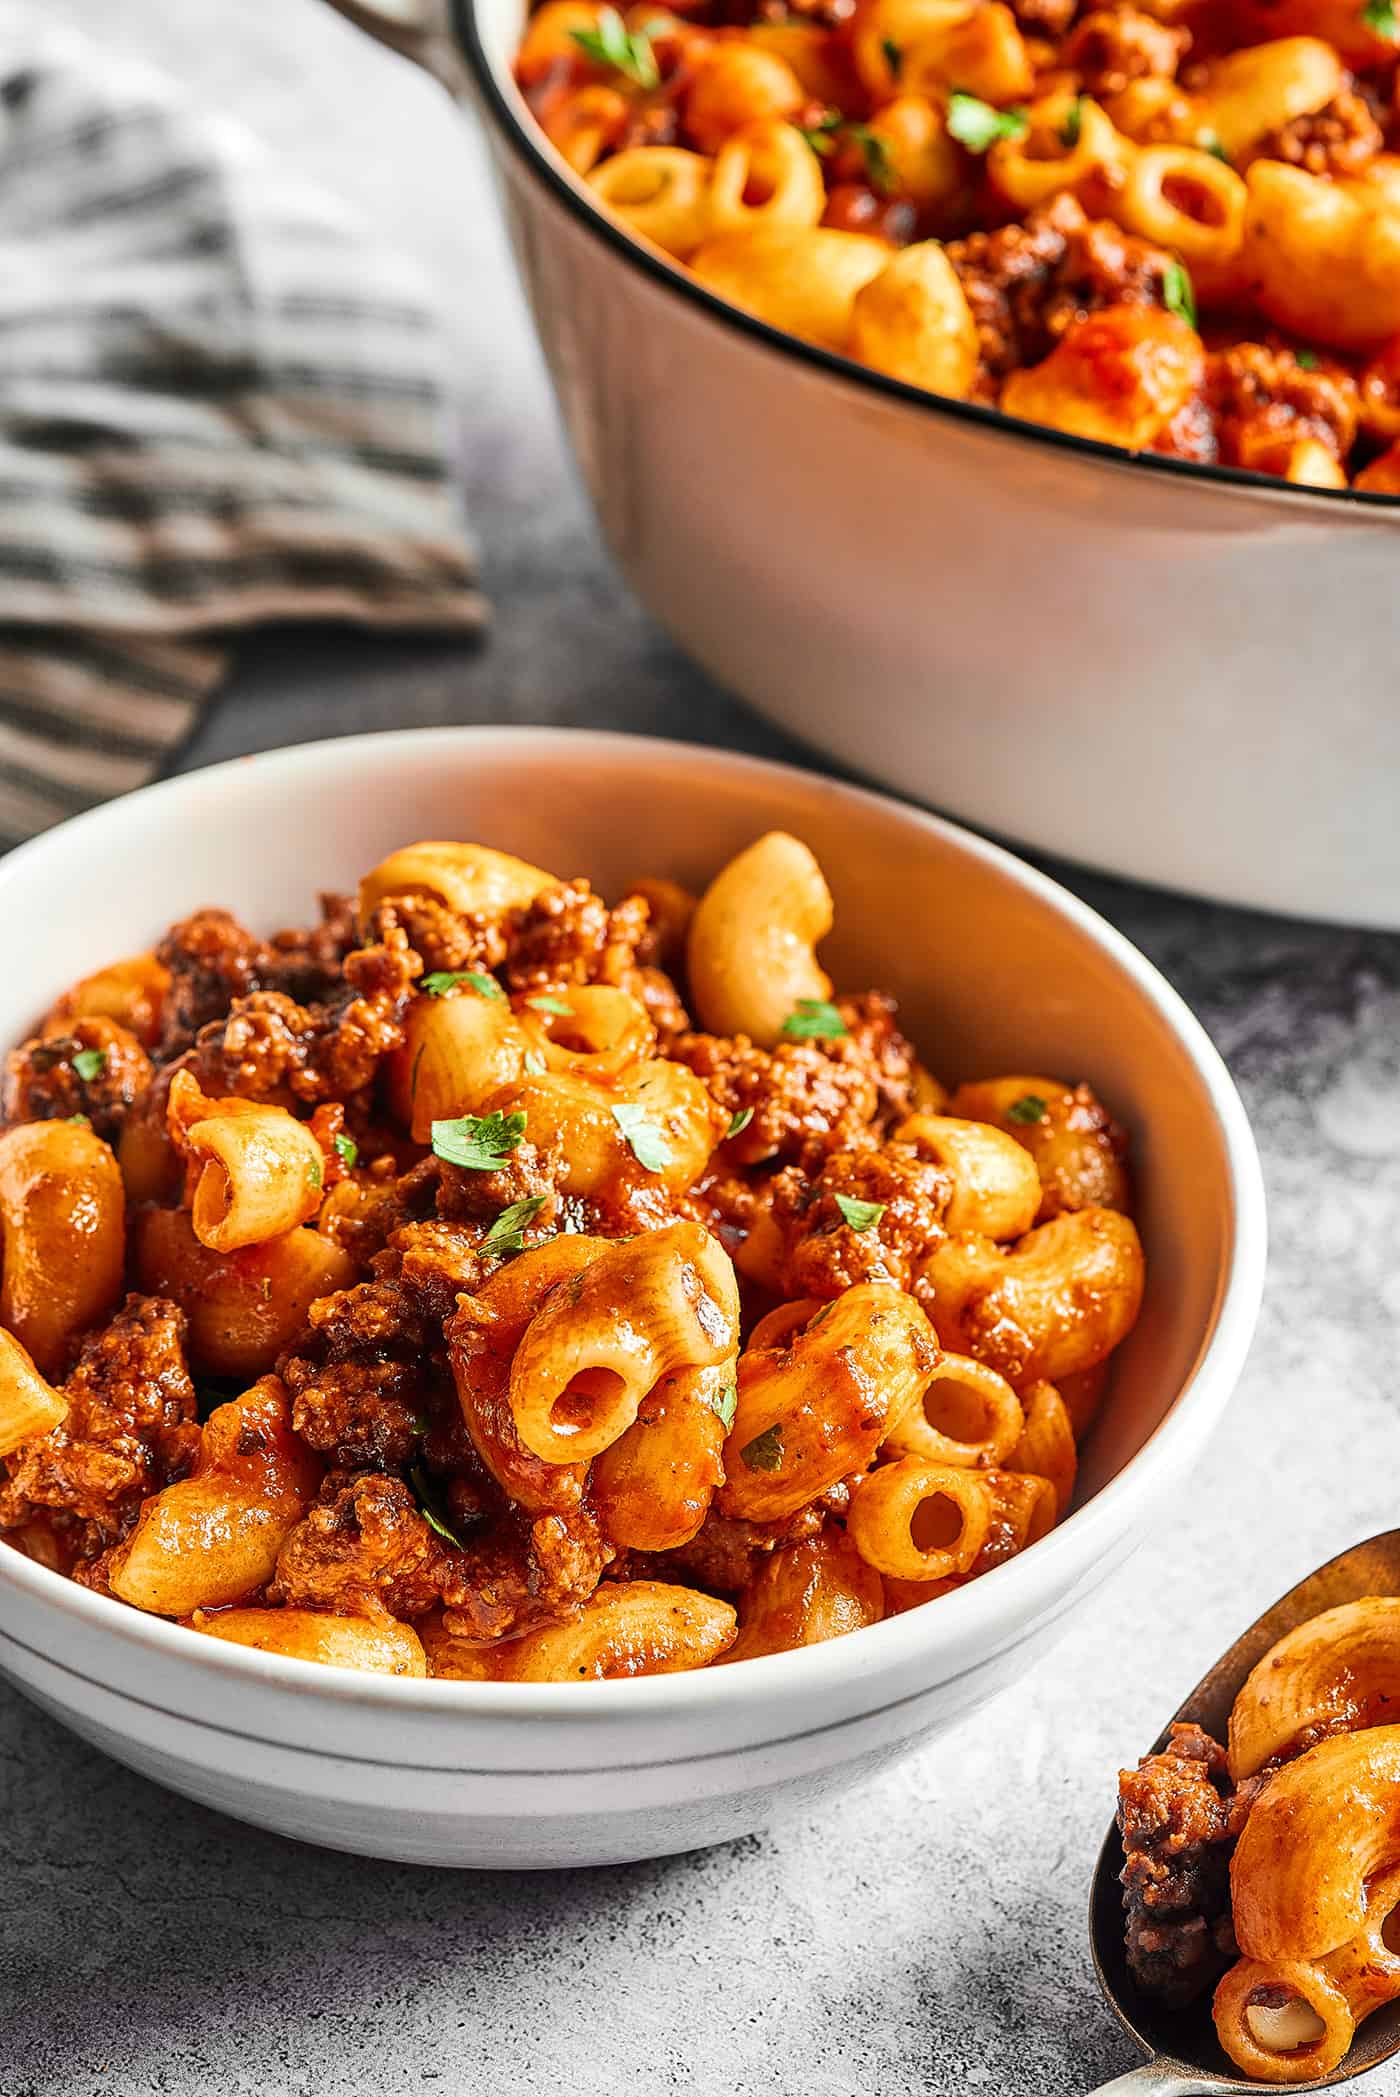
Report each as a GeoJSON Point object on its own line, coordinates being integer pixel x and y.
{"type": "Point", "coordinates": [1028, 284]}
{"type": "Point", "coordinates": [1179, 1820]}
{"type": "Point", "coordinates": [44, 1082]}
{"type": "Point", "coordinates": [131, 1428]}
{"type": "Point", "coordinates": [825, 1252]}
{"type": "Point", "coordinates": [1260, 391]}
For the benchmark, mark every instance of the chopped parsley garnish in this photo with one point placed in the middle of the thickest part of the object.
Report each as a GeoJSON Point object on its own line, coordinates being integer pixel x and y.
{"type": "Point", "coordinates": [821, 136]}
{"type": "Point", "coordinates": [826, 135]}
{"type": "Point", "coordinates": [738, 1122]}
{"type": "Point", "coordinates": [348, 1151]}
{"type": "Point", "coordinates": [549, 1004]}
{"type": "Point", "coordinates": [765, 1451]}
{"type": "Point", "coordinates": [724, 1404]}
{"type": "Point", "coordinates": [1073, 123]}
{"type": "Point", "coordinates": [977, 125]}
{"type": "Point", "coordinates": [894, 57]}
{"type": "Point", "coordinates": [814, 1020]}
{"type": "Point", "coordinates": [424, 1496]}
{"type": "Point", "coordinates": [506, 1235]}
{"type": "Point", "coordinates": [1029, 1107]}
{"type": "Point", "coordinates": [535, 1065]}
{"type": "Point", "coordinates": [443, 979]}
{"type": "Point", "coordinates": [1210, 142]}
{"type": "Point", "coordinates": [1305, 359]}
{"type": "Point", "coordinates": [1379, 17]}
{"type": "Point", "coordinates": [880, 170]}
{"type": "Point", "coordinates": [81, 1120]}
{"type": "Point", "coordinates": [861, 1215]}
{"type": "Point", "coordinates": [1177, 294]}
{"type": "Point", "coordinates": [315, 1172]}
{"type": "Point", "coordinates": [90, 1064]}
{"type": "Point", "coordinates": [478, 1145]}
{"type": "Point", "coordinates": [648, 1142]}
{"type": "Point", "coordinates": [611, 43]}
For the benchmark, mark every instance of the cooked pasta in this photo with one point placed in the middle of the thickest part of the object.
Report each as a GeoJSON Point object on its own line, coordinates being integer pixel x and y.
{"type": "Point", "coordinates": [1272, 1872]}
{"type": "Point", "coordinates": [531, 1289]}
{"type": "Point", "coordinates": [1172, 227]}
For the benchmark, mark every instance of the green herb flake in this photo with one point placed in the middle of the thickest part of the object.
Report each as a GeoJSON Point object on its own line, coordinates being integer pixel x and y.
{"type": "Point", "coordinates": [1306, 359]}
{"type": "Point", "coordinates": [1210, 142]}
{"type": "Point", "coordinates": [648, 1142]}
{"type": "Point", "coordinates": [611, 43]}
{"type": "Point", "coordinates": [445, 979]}
{"type": "Point", "coordinates": [315, 1172]}
{"type": "Point", "coordinates": [535, 1065]}
{"type": "Point", "coordinates": [738, 1122]}
{"type": "Point", "coordinates": [506, 1235]}
{"type": "Point", "coordinates": [978, 126]}
{"type": "Point", "coordinates": [551, 1004]}
{"type": "Point", "coordinates": [81, 1120]}
{"type": "Point", "coordinates": [423, 1494]}
{"type": "Point", "coordinates": [90, 1064]}
{"type": "Point", "coordinates": [1178, 295]}
{"type": "Point", "coordinates": [724, 1405]}
{"type": "Point", "coordinates": [826, 136]}
{"type": "Point", "coordinates": [1073, 124]}
{"type": "Point", "coordinates": [821, 136]}
{"type": "Point", "coordinates": [893, 56]}
{"type": "Point", "coordinates": [861, 1215]}
{"type": "Point", "coordinates": [880, 170]}
{"type": "Point", "coordinates": [814, 1020]}
{"type": "Point", "coordinates": [1379, 17]}
{"type": "Point", "coordinates": [765, 1451]}
{"type": "Point", "coordinates": [478, 1145]}
{"type": "Point", "coordinates": [1028, 1108]}
{"type": "Point", "coordinates": [348, 1152]}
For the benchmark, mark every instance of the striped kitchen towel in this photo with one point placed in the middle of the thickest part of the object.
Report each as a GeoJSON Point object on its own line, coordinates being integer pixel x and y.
{"type": "Point", "coordinates": [220, 404]}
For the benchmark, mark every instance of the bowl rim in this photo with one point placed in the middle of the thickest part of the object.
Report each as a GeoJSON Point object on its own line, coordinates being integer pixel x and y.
{"type": "Point", "coordinates": [983, 1617]}
{"type": "Point", "coordinates": [540, 159]}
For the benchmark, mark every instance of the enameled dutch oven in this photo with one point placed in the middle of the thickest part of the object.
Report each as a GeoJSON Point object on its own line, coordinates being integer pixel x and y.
{"type": "Point", "coordinates": [1182, 673]}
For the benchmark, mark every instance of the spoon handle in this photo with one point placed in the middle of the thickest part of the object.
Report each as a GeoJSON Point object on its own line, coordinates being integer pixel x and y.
{"type": "Point", "coordinates": [1157, 2079]}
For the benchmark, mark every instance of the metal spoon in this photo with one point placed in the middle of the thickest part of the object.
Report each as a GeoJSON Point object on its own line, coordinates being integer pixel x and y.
{"type": "Point", "coordinates": [1185, 2055]}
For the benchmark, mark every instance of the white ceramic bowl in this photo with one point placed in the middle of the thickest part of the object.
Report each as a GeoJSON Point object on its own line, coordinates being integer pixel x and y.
{"type": "Point", "coordinates": [1177, 672]}
{"type": "Point", "coordinates": [996, 969]}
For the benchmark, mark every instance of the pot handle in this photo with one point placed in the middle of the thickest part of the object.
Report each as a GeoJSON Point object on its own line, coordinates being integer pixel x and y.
{"type": "Point", "coordinates": [416, 29]}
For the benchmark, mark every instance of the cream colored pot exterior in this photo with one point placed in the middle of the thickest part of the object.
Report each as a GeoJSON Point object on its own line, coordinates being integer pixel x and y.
{"type": "Point", "coordinates": [1188, 679]}
{"type": "Point", "coordinates": [995, 967]}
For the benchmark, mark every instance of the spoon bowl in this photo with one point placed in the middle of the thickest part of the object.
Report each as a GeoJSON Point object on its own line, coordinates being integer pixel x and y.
{"type": "Point", "coordinates": [1185, 2054]}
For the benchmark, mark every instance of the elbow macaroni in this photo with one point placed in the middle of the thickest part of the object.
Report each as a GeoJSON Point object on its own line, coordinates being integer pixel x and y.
{"type": "Point", "coordinates": [256, 1172]}
{"type": "Point", "coordinates": [752, 943]}
{"type": "Point", "coordinates": [63, 1218]}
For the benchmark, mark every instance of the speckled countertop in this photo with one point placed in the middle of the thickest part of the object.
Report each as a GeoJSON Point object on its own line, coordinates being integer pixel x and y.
{"type": "Point", "coordinates": [926, 1936]}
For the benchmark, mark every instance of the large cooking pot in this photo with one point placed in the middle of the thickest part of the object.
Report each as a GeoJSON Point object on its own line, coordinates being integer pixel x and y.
{"type": "Point", "coordinates": [1183, 673]}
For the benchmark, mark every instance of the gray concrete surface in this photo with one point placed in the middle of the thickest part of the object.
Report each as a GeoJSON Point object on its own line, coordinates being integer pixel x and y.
{"type": "Point", "coordinates": [926, 1937]}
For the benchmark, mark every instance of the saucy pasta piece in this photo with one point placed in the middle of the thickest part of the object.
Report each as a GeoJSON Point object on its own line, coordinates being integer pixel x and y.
{"type": "Point", "coordinates": [540, 1336]}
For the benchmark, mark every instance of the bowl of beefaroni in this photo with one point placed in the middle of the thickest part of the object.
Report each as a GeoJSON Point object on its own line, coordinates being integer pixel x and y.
{"type": "Point", "coordinates": [661, 1299]}
{"type": "Point", "coordinates": [1000, 393]}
